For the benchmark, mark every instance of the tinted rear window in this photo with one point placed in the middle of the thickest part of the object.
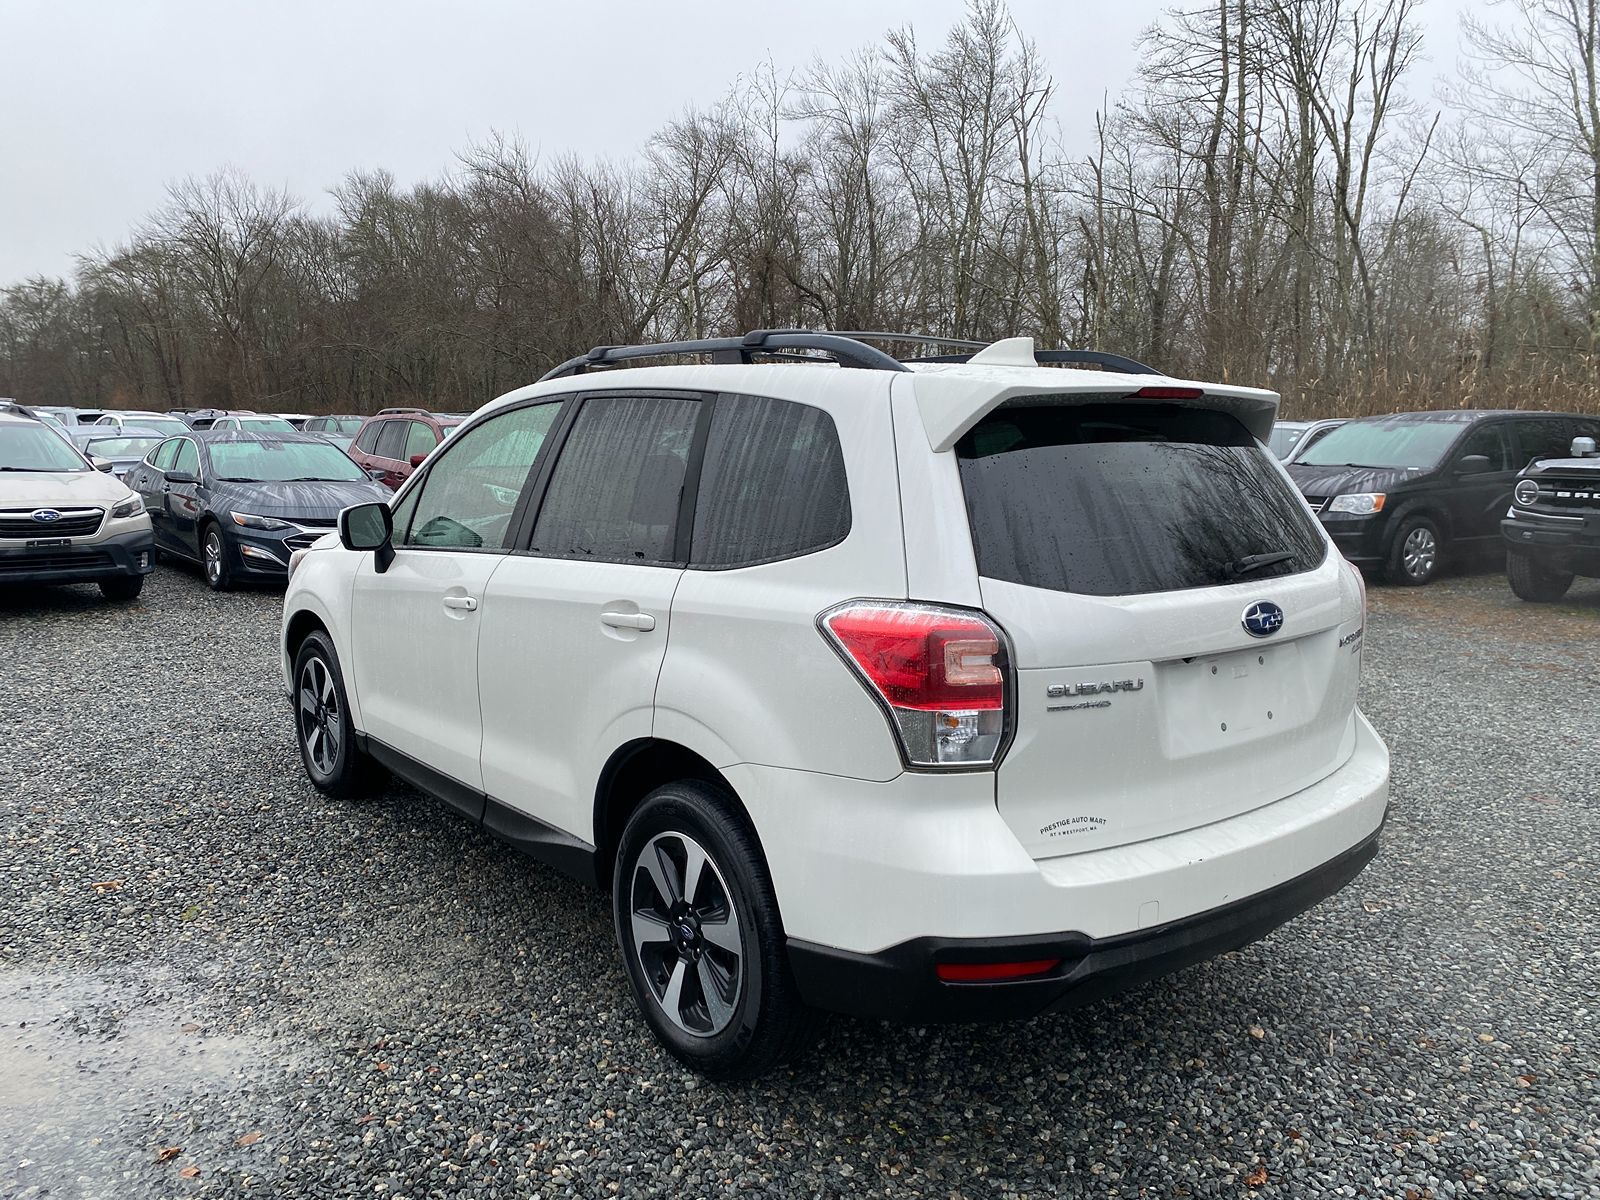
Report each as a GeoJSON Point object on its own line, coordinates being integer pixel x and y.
{"type": "Point", "coordinates": [1122, 499]}
{"type": "Point", "coordinates": [773, 484]}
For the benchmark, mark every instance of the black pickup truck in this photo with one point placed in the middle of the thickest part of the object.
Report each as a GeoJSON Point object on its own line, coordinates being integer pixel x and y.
{"type": "Point", "coordinates": [1552, 530]}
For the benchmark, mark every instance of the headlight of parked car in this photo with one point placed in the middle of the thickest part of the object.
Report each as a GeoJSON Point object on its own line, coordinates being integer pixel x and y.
{"type": "Point", "coordinates": [131, 507]}
{"type": "Point", "coordinates": [250, 522]}
{"type": "Point", "coordinates": [1363, 504]}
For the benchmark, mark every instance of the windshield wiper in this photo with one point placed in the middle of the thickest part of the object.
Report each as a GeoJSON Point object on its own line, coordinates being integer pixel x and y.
{"type": "Point", "coordinates": [235, 479]}
{"type": "Point", "coordinates": [1255, 562]}
{"type": "Point", "coordinates": [42, 470]}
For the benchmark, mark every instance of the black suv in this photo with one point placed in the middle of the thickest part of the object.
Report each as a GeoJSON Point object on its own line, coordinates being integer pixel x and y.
{"type": "Point", "coordinates": [1404, 492]}
{"type": "Point", "coordinates": [1552, 531]}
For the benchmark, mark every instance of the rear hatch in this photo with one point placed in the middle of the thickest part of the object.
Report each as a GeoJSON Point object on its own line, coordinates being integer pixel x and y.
{"type": "Point", "coordinates": [1185, 641]}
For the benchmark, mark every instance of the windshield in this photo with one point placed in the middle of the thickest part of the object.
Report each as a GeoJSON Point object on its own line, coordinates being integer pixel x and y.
{"type": "Point", "coordinates": [1385, 443]}
{"type": "Point", "coordinates": [1123, 499]}
{"type": "Point", "coordinates": [346, 424]}
{"type": "Point", "coordinates": [265, 425]}
{"type": "Point", "coordinates": [121, 447]}
{"type": "Point", "coordinates": [33, 447]}
{"type": "Point", "coordinates": [1285, 436]}
{"type": "Point", "coordinates": [278, 462]}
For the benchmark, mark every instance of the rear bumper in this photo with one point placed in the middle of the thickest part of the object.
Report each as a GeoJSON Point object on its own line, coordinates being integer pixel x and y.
{"type": "Point", "coordinates": [900, 983]}
{"type": "Point", "coordinates": [81, 562]}
{"type": "Point", "coordinates": [877, 881]}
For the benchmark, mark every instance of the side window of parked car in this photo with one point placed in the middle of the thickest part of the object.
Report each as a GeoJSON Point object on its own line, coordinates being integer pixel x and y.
{"type": "Point", "coordinates": [616, 489]}
{"type": "Point", "coordinates": [188, 457]}
{"type": "Point", "coordinates": [163, 455]}
{"type": "Point", "coordinates": [470, 493]}
{"type": "Point", "coordinates": [1489, 441]}
{"type": "Point", "coordinates": [368, 438]}
{"type": "Point", "coordinates": [772, 485]}
{"type": "Point", "coordinates": [420, 439]}
{"type": "Point", "coordinates": [392, 440]}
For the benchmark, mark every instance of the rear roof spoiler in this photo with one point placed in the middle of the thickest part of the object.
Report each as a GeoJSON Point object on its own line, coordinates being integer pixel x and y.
{"type": "Point", "coordinates": [952, 401]}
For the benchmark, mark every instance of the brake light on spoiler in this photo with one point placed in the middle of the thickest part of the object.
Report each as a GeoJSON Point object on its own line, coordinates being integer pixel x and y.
{"type": "Point", "coordinates": [938, 672]}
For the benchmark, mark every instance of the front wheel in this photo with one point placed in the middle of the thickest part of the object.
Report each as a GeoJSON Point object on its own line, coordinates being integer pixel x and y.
{"type": "Point", "coordinates": [701, 937]}
{"type": "Point", "coordinates": [214, 557]}
{"type": "Point", "coordinates": [327, 736]}
{"type": "Point", "coordinates": [1415, 553]}
{"type": "Point", "coordinates": [1531, 581]}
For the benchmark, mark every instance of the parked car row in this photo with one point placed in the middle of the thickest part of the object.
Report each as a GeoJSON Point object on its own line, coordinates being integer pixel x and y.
{"type": "Point", "coordinates": [1402, 494]}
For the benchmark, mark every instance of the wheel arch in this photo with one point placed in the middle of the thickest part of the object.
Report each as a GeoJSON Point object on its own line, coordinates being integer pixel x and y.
{"type": "Point", "coordinates": [633, 771]}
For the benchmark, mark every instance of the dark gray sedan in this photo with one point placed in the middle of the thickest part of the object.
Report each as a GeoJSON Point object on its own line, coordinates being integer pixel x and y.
{"type": "Point", "coordinates": [240, 504]}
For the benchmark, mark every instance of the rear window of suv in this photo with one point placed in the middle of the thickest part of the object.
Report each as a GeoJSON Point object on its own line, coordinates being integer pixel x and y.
{"type": "Point", "coordinates": [1123, 499]}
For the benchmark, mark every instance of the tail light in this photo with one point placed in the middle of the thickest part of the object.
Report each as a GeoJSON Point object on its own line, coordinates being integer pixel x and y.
{"type": "Point", "coordinates": [939, 672]}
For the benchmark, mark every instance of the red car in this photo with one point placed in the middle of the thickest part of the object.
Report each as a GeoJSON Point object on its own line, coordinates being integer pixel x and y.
{"type": "Point", "coordinates": [396, 440]}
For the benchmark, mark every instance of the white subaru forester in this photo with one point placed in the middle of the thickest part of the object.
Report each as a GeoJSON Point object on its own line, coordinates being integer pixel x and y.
{"type": "Point", "coordinates": [977, 686]}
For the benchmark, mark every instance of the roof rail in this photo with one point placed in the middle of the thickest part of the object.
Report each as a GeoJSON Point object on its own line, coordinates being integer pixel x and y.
{"type": "Point", "coordinates": [1099, 358]}
{"type": "Point", "coordinates": [385, 412]}
{"type": "Point", "coordinates": [846, 351]}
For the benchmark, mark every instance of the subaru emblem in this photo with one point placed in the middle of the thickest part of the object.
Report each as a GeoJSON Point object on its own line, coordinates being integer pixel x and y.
{"type": "Point", "coordinates": [1262, 619]}
{"type": "Point", "coordinates": [45, 515]}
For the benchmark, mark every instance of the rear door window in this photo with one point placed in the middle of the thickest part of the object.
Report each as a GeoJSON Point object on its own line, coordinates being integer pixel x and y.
{"type": "Point", "coordinates": [392, 440]}
{"type": "Point", "coordinates": [616, 490]}
{"type": "Point", "coordinates": [772, 485]}
{"type": "Point", "coordinates": [1123, 499]}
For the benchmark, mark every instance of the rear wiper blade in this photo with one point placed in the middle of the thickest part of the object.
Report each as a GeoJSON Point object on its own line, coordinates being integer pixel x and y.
{"type": "Point", "coordinates": [1255, 562]}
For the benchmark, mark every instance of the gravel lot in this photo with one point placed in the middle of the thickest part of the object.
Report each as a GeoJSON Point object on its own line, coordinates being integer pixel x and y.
{"type": "Point", "coordinates": [214, 981]}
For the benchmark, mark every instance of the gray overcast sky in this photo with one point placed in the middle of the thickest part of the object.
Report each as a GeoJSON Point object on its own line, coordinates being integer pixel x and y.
{"type": "Point", "coordinates": [110, 100]}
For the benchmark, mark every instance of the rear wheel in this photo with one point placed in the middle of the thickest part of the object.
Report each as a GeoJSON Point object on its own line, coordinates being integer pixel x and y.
{"type": "Point", "coordinates": [327, 736]}
{"type": "Point", "coordinates": [1415, 553]}
{"type": "Point", "coordinates": [122, 588]}
{"type": "Point", "coordinates": [214, 558]}
{"type": "Point", "coordinates": [1532, 581]}
{"type": "Point", "coordinates": [701, 937]}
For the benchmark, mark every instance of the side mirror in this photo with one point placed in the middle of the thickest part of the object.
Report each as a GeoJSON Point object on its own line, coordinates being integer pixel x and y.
{"type": "Point", "coordinates": [1473, 464]}
{"type": "Point", "coordinates": [418, 459]}
{"type": "Point", "coordinates": [376, 473]}
{"type": "Point", "coordinates": [182, 477]}
{"type": "Point", "coordinates": [1583, 447]}
{"type": "Point", "coordinates": [369, 527]}
{"type": "Point", "coordinates": [100, 464]}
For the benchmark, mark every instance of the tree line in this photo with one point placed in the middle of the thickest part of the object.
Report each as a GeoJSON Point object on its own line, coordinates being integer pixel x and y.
{"type": "Point", "coordinates": [1271, 202]}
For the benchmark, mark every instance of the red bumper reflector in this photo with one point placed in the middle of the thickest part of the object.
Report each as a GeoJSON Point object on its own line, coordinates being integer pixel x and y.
{"type": "Point", "coordinates": [990, 972]}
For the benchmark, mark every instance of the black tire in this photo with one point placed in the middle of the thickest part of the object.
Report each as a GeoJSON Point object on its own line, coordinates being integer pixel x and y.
{"type": "Point", "coordinates": [1531, 581]}
{"type": "Point", "coordinates": [323, 729]}
{"type": "Point", "coordinates": [1415, 553]}
{"type": "Point", "coordinates": [217, 571]}
{"type": "Point", "coordinates": [757, 1019]}
{"type": "Point", "coordinates": [122, 588]}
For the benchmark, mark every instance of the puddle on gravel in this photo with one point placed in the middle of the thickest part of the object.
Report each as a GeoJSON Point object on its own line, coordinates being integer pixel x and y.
{"type": "Point", "coordinates": [87, 1068]}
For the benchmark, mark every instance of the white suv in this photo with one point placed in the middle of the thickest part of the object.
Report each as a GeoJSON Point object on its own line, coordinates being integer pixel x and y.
{"type": "Point", "coordinates": [958, 689]}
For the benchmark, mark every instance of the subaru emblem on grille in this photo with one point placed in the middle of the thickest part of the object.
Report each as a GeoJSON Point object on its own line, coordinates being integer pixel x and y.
{"type": "Point", "coordinates": [45, 515]}
{"type": "Point", "coordinates": [1262, 619]}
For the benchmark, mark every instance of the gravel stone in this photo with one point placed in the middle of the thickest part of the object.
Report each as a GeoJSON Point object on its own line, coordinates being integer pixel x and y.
{"type": "Point", "coordinates": [196, 947]}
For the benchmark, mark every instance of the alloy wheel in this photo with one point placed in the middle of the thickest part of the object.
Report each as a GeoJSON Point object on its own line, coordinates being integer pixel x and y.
{"type": "Point", "coordinates": [1420, 551]}
{"type": "Point", "coordinates": [686, 934]}
{"type": "Point", "coordinates": [213, 556]}
{"type": "Point", "coordinates": [318, 705]}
